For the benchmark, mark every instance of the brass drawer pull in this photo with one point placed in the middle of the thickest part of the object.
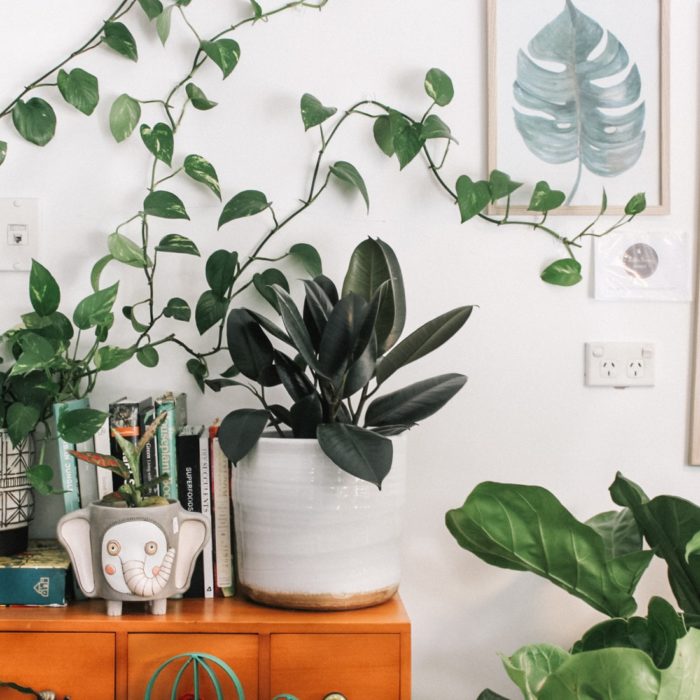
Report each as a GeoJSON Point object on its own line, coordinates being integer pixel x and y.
{"type": "Point", "coordinates": [335, 696]}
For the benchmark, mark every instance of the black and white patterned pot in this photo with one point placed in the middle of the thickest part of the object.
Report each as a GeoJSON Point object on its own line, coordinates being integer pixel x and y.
{"type": "Point", "coordinates": [16, 496]}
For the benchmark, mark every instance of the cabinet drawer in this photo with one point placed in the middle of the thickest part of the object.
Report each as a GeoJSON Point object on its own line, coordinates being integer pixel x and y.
{"type": "Point", "coordinates": [79, 665]}
{"type": "Point", "coordinates": [146, 652]}
{"type": "Point", "coordinates": [360, 666]}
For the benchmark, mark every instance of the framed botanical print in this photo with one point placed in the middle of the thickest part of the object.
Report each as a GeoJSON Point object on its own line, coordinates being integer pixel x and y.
{"type": "Point", "coordinates": [578, 98]}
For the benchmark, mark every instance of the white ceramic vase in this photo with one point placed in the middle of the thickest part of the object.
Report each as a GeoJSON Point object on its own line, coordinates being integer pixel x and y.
{"type": "Point", "coordinates": [311, 536]}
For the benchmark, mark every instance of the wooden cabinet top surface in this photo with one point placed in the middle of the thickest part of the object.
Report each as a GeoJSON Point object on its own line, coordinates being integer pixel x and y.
{"type": "Point", "coordinates": [226, 615]}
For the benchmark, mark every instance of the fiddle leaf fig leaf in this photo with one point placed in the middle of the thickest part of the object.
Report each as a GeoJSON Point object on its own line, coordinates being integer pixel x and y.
{"type": "Point", "coordinates": [636, 205]}
{"type": "Point", "coordinates": [44, 292]}
{"type": "Point", "coordinates": [92, 309]}
{"type": "Point", "coordinates": [178, 309]}
{"type": "Point", "coordinates": [126, 251]}
{"type": "Point", "coordinates": [472, 196]}
{"type": "Point", "coordinates": [175, 243]}
{"type": "Point", "coordinates": [383, 135]}
{"type": "Point", "coordinates": [165, 205]}
{"type": "Point", "coordinates": [80, 89]}
{"type": "Point", "coordinates": [564, 273]}
{"type": "Point", "coordinates": [313, 112]}
{"type": "Point", "coordinates": [198, 98]}
{"type": "Point", "coordinates": [438, 86]}
{"type": "Point", "coordinates": [578, 104]}
{"type": "Point", "coordinates": [124, 116]}
{"type": "Point", "coordinates": [159, 141]}
{"type": "Point", "coordinates": [347, 172]}
{"type": "Point", "coordinates": [202, 170]}
{"type": "Point", "coordinates": [545, 199]}
{"type": "Point", "coordinates": [163, 22]}
{"type": "Point", "coordinates": [224, 52]}
{"type": "Point", "coordinates": [246, 203]}
{"type": "Point", "coordinates": [119, 38]}
{"type": "Point", "coordinates": [309, 257]}
{"type": "Point", "coordinates": [35, 120]}
{"type": "Point", "coordinates": [80, 424]}
{"type": "Point", "coordinates": [500, 185]}
{"type": "Point", "coordinates": [357, 451]}
{"type": "Point", "coordinates": [152, 8]}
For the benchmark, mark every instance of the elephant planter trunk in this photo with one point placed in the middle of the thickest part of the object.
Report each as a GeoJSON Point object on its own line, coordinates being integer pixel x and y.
{"type": "Point", "coordinates": [133, 554]}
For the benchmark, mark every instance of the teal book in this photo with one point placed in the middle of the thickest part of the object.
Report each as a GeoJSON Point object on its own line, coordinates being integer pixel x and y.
{"type": "Point", "coordinates": [175, 405]}
{"type": "Point", "coordinates": [35, 577]}
{"type": "Point", "coordinates": [67, 463]}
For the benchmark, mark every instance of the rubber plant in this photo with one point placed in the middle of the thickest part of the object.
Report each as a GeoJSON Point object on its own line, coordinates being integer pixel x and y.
{"type": "Point", "coordinates": [600, 561]}
{"type": "Point", "coordinates": [334, 356]}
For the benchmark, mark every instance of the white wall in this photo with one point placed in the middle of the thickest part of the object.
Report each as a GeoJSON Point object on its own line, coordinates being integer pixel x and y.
{"type": "Point", "coordinates": [524, 416]}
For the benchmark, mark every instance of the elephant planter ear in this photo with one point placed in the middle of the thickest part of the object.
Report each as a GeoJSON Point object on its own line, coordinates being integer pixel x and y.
{"type": "Point", "coordinates": [74, 535]}
{"type": "Point", "coordinates": [193, 536]}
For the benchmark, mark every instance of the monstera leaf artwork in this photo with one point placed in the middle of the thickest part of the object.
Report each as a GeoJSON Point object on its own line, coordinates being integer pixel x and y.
{"type": "Point", "coordinates": [578, 99]}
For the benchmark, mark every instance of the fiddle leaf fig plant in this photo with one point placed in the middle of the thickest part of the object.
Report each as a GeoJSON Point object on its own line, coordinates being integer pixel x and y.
{"type": "Point", "coordinates": [600, 561]}
{"type": "Point", "coordinates": [132, 493]}
{"type": "Point", "coordinates": [331, 357]}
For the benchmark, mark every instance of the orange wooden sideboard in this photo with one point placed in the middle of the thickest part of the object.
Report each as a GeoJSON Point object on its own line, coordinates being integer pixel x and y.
{"type": "Point", "coordinates": [81, 653]}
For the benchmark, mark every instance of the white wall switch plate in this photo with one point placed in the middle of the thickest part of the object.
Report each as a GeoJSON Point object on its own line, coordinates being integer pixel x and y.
{"type": "Point", "coordinates": [19, 233]}
{"type": "Point", "coordinates": [619, 364]}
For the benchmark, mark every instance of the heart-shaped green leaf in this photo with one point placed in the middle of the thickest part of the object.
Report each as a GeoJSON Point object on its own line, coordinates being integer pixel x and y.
{"type": "Point", "coordinates": [472, 196]}
{"type": "Point", "coordinates": [159, 141]}
{"type": "Point", "coordinates": [126, 251]}
{"type": "Point", "coordinates": [178, 309]}
{"type": "Point", "coordinates": [357, 451]}
{"type": "Point", "coordinates": [308, 256]}
{"type": "Point", "coordinates": [383, 135]}
{"type": "Point", "coordinates": [165, 205]}
{"type": "Point", "coordinates": [434, 128]}
{"type": "Point", "coordinates": [406, 138]}
{"type": "Point", "coordinates": [257, 10]}
{"type": "Point", "coordinates": [148, 356]}
{"type": "Point", "coordinates": [564, 273]}
{"type": "Point", "coordinates": [545, 199]}
{"type": "Point", "coordinates": [80, 89]}
{"type": "Point", "coordinates": [224, 52]}
{"type": "Point", "coordinates": [175, 243]}
{"type": "Point", "coordinates": [35, 120]}
{"type": "Point", "coordinates": [636, 205]}
{"type": "Point", "coordinates": [198, 369]}
{"type": "Point", "coordinates": [20, 421]}
{"type": "Point", "coordinates": [210, 309]}
{"type": "Point", "coordinates": [347, 172]}
{"type": "Point", "coordinates": [246, 203]}
{"type": "Point", "coordinates": [152, 8]}
{"type": "Point", "coordinates": [119, 38]}
{"type": "Point", "coordinates": [97, 269]}
{"type": "Point", "coordinates": [202, 170]}
{"type": "Point", "coordinates": [44, 292]}
{"type": "Point", "coordinates": [220, 271]}
{"type": "Point", "coordinates": [163, 22]}
{"type": "Point", "coordinates": [80, 424]}
{"type": "Point", "coordinates": [263, 282]}
{"type": "Point", "coordinates": [313, 112]}
{"type": "Point", "coordinates": [109, 357]}
{"type": "Point", "coordinates": [438, 87]}
{"type": "Point", "coordinates": [500, 185]}
{"type": "Point", "coordinates": [124, 116]}
{"type": "Point", "coordinates": [198, 98]}
{"type": "Point", "coordinates": [93, 308]}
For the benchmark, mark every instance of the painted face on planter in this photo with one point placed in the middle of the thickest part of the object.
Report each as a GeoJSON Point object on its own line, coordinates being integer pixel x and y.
{"type": "Point", "coordinates": [134, 552]}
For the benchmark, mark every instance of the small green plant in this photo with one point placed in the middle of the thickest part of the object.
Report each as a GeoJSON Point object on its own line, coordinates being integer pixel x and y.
{"type": "Point", "coordinates": [132, 492]}
{"type": "Point", "coordinates": [600, 561]}
{"type": "Point", "coordinates": [344, 346]}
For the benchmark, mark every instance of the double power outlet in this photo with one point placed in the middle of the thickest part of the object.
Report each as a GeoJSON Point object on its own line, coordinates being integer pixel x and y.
{"type": "Point", "coordinates": [619, 364]}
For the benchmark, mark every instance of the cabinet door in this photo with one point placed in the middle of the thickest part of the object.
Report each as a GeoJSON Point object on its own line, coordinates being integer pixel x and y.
{"type": "Point", "coordinates": [79, 665]}
{"type": "Point", "coordinates": [146, 652]}
{"type": "Point", "coordinates": [360, 666]}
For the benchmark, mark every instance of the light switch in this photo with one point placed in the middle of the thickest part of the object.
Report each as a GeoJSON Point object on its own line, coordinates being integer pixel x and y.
{"type": "Point", "coordinates": [19, 233]}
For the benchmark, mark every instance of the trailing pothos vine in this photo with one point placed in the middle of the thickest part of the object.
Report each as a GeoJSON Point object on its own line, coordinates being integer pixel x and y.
{"type": "Point", "coordinates": [46, 349]}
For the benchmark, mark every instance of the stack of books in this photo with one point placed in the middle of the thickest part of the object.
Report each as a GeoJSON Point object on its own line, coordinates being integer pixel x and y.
{"type": "Point", "coordinates": [198, 471]}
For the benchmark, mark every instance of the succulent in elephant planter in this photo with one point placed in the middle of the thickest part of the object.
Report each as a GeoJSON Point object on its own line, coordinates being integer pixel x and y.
{"type": "Point", "coordinates": [131, 546]}
{"type": "Point", "coordinates": [313, 529]}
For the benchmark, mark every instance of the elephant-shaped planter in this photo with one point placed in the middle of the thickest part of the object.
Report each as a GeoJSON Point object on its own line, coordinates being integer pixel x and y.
{"type": "Point", "coordinates": [133, 554]}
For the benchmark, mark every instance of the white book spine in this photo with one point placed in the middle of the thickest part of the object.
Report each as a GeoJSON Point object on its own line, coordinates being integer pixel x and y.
{"type": "Point", "coordinates": [205, 486]}
{"type": "Point", "coordinates": [104, 476]}
{"type": "Point", "coordinates": [222, 516]}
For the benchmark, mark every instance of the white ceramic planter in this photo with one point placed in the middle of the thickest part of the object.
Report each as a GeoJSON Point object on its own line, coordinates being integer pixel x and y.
{"type": "Point", "coordinates": [16, 495]}
{"type": "Point", "coordinates": [309, 535]}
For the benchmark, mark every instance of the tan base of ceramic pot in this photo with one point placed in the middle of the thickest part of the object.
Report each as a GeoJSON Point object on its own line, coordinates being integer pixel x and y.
{"type": "Point", "coordinates": [319, 601]}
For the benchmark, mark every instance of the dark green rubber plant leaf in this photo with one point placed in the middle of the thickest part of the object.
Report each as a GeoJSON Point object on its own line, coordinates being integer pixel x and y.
{"type": "Point", "coordinates": [668, 525]}
{"type": "Point", "coordinates": [586, 108]}
{"type": "Point", "coordinates": [240, 431]}
{"type": "Point", "coordinates": [527, 529]}
{"type": "Point", "coordinates": [357, 451]}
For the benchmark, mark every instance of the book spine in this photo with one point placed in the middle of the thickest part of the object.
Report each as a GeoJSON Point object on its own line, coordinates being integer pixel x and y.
{"type": "Point", "coordinates": [167, 454]}
{"type": "Point", "coordinates": [222, 531]}
{"type": "Point", "coordinates": [35, 586]}
{"type": "Point", "coordinates": [87, 475]}
{"type": "Point", "coordinates": [190, 498]}
{"type": "Point", "coordinates": [149, 456]}
{"type": "Point", "coordinates": [67, 462]}
{"type": "Point", "coordinates": [102, 446]}
{"type": "Point", "coordinates": [205, 488]}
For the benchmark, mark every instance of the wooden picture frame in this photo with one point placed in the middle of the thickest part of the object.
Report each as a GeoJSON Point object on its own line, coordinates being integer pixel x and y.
{"type": "Point", "coordinates": [543, 110]}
